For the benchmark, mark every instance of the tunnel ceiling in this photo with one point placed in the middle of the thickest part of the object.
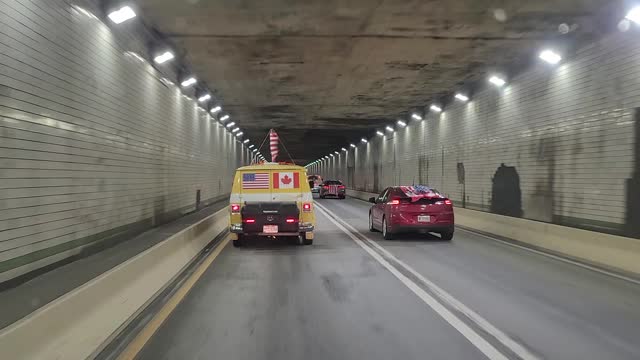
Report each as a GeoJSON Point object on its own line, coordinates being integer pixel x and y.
{"type": "Point", "coordinates": [325, 73]}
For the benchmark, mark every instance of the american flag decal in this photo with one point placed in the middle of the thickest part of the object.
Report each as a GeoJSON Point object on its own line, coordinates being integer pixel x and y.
{"type": "Point", "coordinates": [255, 181]}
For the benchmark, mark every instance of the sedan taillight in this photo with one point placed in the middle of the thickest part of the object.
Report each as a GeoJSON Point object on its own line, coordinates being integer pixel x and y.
{"type": "Point", "coordinates": [448, 202]}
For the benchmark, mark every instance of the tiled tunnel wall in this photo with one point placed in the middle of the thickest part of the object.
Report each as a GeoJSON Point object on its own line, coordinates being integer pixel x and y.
{"type": "Point", "coordinates": [557, 145]}
{"type": "Point", "coordinates": [94, 145]}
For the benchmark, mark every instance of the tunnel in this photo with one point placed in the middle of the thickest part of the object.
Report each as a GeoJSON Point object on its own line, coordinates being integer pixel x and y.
{"type": "Point", "coordinates": [305, 179]}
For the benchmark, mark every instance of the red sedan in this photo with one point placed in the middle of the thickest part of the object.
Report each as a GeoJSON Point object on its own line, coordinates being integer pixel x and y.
{"type": "Point", "coordinates": [400, 209]}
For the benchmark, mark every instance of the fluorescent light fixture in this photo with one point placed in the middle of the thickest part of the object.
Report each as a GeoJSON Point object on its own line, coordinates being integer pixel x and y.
{"type": "Point", "coordinates": [401, 123]}
{"type": "Point", "coordinates": [343, 149]}
{"type": "Point", "coordinates": [364, 140]}
{"type": "Point", "coordinates": [204, 98]}
{"type": "Point", "coordinates": [390, 129]}
{"type": "Point", "coordinates": [215, 109]}
{"type": "Point", "coordinates": [225, 118]}
{"type": "Point", "coordinates": [188, 82]}
{"type": "Point", "coordinates": [164, 57]}
{"type": "Point", "coordinates": [379, 133]}
{"type": "Point", "coordinates": [240, 133]}
{"type": "Point", "coordinates": [497, 81]}
{"type": "Point", "coordinates": [416, 116]}
{"type": "Point", "coordinates": [352, 145]}
{"type": "Point", "coordinates": [435, 108]}
{"type": "Point", "coordinates": [121, 15]}
{"type": "Point", "coordinates": [331, 155]}
{"type": "Point", "coordinates": [462, 97]}
{"type": "Point", "coordinates": [246, 141]}
{"type": "Point", "coordinates": [235, 129]}
{"type": "Point", "coordinates": [251, 146]}
{"type": "Point", "coordinates": [254, 151]}
{"type": "Point", "coordinates": [634, 15]}
{"type": "Point", "coordinates": [550, 56]}
{"type": "Point", "coordinates": [230, 124]}
{"type": "Point", "coordinates": [337, 153]}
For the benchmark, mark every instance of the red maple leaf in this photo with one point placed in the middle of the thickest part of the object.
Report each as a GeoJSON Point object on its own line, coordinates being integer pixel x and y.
{"type": "Point", "coordinates": [286, 180]}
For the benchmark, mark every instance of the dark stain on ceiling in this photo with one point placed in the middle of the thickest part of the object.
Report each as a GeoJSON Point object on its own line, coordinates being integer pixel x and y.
{"type": "Point", "coordinates": [326, 73]}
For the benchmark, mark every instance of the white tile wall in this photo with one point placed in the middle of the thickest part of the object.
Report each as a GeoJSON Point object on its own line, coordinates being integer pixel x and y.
{"type": "Point", "coordinates": [568, 131]}
{"type": "Point", "coordinates": [90, 138]}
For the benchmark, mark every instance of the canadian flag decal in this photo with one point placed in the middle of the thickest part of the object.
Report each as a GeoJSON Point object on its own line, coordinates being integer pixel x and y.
{"type": "Point", "coordinates": [286, 180]}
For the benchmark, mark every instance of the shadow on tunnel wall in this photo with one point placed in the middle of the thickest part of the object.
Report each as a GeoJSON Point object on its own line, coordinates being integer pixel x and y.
{"type": "Point", "coordinates": [506, 197]}
{"type": "Point", "coordinates": [632, 217]}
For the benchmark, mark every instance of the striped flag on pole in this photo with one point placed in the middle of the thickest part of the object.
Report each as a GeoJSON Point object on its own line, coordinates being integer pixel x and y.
{"type": "Point", "coordinates": [273, 143]}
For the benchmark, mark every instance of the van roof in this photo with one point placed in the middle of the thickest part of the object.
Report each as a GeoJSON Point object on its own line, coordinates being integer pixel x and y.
{"type": "Point", "coordinates": [272, 166]}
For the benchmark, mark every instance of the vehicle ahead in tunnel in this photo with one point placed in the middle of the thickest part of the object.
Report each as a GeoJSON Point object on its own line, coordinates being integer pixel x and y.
{"type": "Point", "coordinates": [272, 200]}
{"type": "Point", "coordinates": [332, 188]}
{"type": "Point", "coordinates": [400, 209]}
{"type": "Point", "coordinates": [314, 183]}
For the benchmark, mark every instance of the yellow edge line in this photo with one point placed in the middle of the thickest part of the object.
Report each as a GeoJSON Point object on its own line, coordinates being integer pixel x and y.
{"type": "Point", "coordinates": [135, 346]}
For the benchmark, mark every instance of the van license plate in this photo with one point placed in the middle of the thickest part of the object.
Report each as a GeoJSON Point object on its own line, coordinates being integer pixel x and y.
{"type": "Point", "coordinates": [424, 218]}
{"type": "Point", "coordinates": [270, 229]}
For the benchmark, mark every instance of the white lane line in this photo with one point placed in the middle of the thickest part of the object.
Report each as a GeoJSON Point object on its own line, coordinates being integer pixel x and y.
{"type": "Point", "coordinates": [478, 341]}
{"type": "Point", "coordinates": [556, 257]}
{"type": "Point", "coordinates": [481, 322]}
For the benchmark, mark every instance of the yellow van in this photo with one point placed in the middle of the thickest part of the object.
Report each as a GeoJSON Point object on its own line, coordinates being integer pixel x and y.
{"type": "Point", "coordinates": [271, 199]}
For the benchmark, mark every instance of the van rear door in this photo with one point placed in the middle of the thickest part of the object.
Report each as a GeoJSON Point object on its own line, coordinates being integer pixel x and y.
{"type": "Point", "coordinates": [288, 185]}
{"type": "Point", "coordinates": [255, 186]}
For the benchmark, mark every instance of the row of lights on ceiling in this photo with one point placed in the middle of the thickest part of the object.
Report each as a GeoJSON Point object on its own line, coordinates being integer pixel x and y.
{"type": "Point", "coordinates": [548, 55]}
{"type": "Point", "coordinates": [124, 13]}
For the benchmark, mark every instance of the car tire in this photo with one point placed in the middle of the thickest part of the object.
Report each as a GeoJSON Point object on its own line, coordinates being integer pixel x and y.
{"type": "Point", "coordinates": [446, 235]}
{"type": "Point", "coordinates": [303, 239]}
{"type": "Point", "coordinates": [386, 234]}
{"type": "Point", "coordinates": [237, 243]}
{"type": "Point", "coordinates": [371, 228]}
{"type": "Point", "coordinates": [321, 196]}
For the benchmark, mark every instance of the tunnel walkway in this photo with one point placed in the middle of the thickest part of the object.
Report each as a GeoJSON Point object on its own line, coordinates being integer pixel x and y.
{"type": "Point", "coordinates": [353, 295]}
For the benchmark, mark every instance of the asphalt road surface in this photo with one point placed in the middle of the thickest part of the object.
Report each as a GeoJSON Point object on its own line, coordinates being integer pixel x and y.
{"type": "Point", "coordinates": [353, 295]}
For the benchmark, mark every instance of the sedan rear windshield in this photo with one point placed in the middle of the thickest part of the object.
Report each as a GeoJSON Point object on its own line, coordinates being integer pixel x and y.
{"type": "Point", "coordinates": [333, 182]}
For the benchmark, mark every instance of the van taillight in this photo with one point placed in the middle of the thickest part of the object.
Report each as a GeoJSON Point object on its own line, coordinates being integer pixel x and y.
{"type": "Point", "coordinates": [448, 202]}
{"type": "Point", "coordinates": [235, 208]}
{"type": "Point", "coordinates": [250, 221]}
{"type": "Point", "coordinates": [290, 220]}
{"type": "Point", "coordinates": [306, 207]}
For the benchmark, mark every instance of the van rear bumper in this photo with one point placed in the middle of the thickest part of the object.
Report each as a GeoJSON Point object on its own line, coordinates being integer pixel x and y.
{"type": "Point", "coordinates": [303, 227]}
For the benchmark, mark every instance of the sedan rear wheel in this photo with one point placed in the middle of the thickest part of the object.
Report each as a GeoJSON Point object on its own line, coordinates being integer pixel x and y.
{"type": "Point", "coordinates": [446, 235]}
{"type": "Point", "coordinates": [386, 234]}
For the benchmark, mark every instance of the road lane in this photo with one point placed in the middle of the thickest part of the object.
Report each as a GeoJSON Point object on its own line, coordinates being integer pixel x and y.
{"type": "Point", "coordinates": [558, 310]}
{"type": "Point", "coordinates": [331, 300]}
